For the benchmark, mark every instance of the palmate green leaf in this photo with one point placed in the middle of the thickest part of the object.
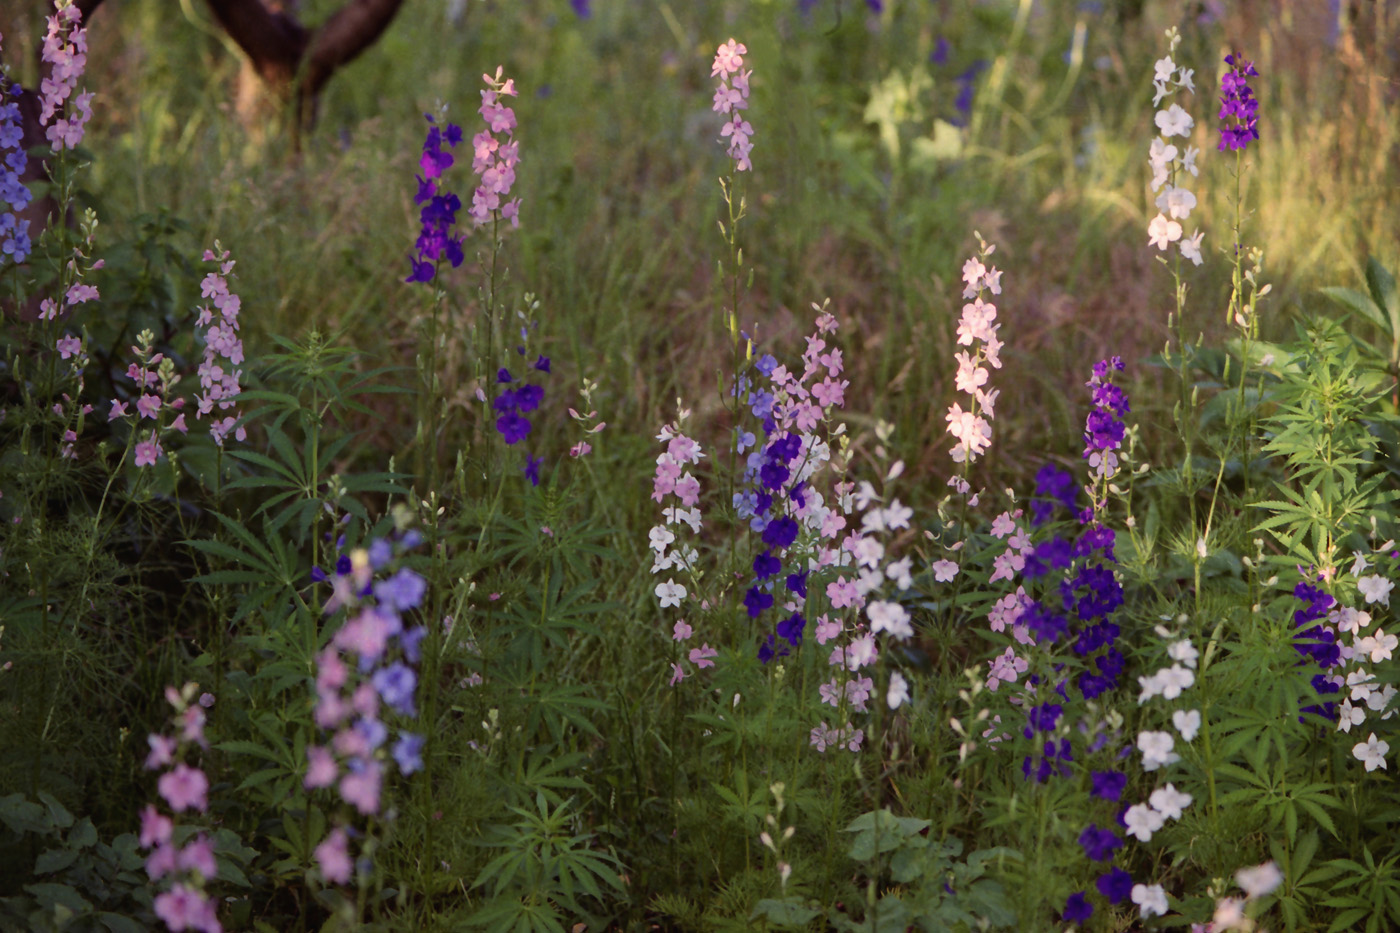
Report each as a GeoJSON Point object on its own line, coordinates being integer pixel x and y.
{"type": "Point", "coordinates": [557, 706]}
{"type": "Point", "coordinates": [290, 475]}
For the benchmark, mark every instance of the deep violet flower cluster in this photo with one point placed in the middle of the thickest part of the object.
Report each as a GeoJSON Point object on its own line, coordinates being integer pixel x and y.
{"type": "Point", "coordinates": [1316, 640]}
{"type": "Point", "coordinates": [14, 196]}
{"type": "Point", "coordinates": [515, 399]}
{"type": "Point", "coordinates": [1104, 428]}
{"type": "Point", "coordinates": [184, 905]}
{"type": "Point", "coordinates": [370, 661]}
{"type": "Point", "coordinates": [731, 97]}
{"type": "Point", "coordinates": [439, 206]}
{"type": "Point", "coordinates": [1239, 108]}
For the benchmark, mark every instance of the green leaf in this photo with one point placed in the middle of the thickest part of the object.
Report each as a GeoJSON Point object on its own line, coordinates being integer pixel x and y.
{"type": "Point", "coordinates": [23, 816]}
{"type": "Point", "coordinates": [116, 923]}
{"type": "Point", "coordinates": [54, 860]}
{"type": "Point", "coordinates": [53, 895]}
{"type": "Point", "coordinates": [788, 912]}
{"type": "Point", "coordinates": [1358, 303]}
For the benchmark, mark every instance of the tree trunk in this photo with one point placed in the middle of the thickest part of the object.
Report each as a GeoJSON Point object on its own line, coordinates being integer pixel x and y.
{"type": "Point", "coordinates": [292, 62]}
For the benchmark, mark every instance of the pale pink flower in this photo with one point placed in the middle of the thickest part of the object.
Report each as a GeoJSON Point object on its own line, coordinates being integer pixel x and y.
{"type": "Point", "coordinates": [321, 770]}
{"type": "Point", "coordinates": [148, 451]}
{"type": "Point", "coordinates": [333, 857]}
{"type": "Point", "coordinates": [184, 788]}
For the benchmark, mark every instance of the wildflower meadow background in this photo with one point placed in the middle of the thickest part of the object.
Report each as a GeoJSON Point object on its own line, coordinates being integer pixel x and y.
{"type": "Point", "coordinates": [824, 465]}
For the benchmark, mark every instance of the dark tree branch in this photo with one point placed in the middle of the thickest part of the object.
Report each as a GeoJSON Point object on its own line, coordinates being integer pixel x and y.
{"type": "Point", "coordinates": [340, 39]}
{"type": "Point", "coordinates": [274, 42]}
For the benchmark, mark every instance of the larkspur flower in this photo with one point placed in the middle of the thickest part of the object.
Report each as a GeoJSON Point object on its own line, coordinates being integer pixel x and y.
{"type": "Point", "coordinates": [223, 350]}
{"type": "Point", "coordinates": [732, 96]}
{"type": "Point", "coordinates": [1259, 880]}
{"type": "Point", "coordinates": [1187, 722]}
{"type": "Point", "coordinates": [333, 857]}
{"type": "Point", "coordinates": [1151, 900]}
{"type": "Point", "coordinates": [437, 217]}
{"type": "Point", "coordinates": [1116, 886]}
{"type": "Point", "coordinates": [972, 427]}
{"type": "Point", "coordinates": [65, 54]}
{"type": "Point", "coordinates": [1077, 908]}
{"type": "Point", "coordinates": [1372, 753]}
{"type": "Point", "coordinates": [1375, 589]}
{"type": "Point", "coordinates": [496, 153]}
{"type": "Point", "coordinates": [14, 195]}
{"type": "Point", "coordinates": [1171, 164]}
{"type": "Point", "coordinates": [184, 905]}
{"type": "Point", "coordinates": [1239, 108]}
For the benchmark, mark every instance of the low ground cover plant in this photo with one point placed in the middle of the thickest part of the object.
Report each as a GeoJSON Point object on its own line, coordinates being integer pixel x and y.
{"type": "Point", "coordinates": [482, 629]}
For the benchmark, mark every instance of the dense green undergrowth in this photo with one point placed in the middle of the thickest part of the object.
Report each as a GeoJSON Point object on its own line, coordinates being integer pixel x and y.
{"type": "Point", "coordinates": [953, 542]}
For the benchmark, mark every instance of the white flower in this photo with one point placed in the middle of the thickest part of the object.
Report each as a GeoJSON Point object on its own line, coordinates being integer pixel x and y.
{"type": "Point", "coordinates": [1161, 153]}
{"type": "Point", "coordinates": [897, 516]}
{"type": "Point", "coordinates": [1169, 801]}
{"type": "Point", "coordinates": [889, 617]}
{"type": "Point", "coordinates": [685, 558]}
{"type": "Point", "coordinates": [675, 515]}
{"type": "Point", "coordinates": [870, 579]}
{"type": "Point", "coordinates": [1359, 566]}
{"type": "Point", "coordinates": [1183, 651]}
{"type": "Point", "coordinates": [1229, 914]}
{"type": "Point", "coordinates": [864, 494]}
{"type": "Point", "coordinates": [898, 692]}
{"type": "Point", "coordinates": [1163, 69]}
{"type": "Point", "coordinates": [1151, 898]}
{"type": "Point", "coordinates": [1376, 589]}
{"type": "Point", "coordinates": [670, 593]}
{"type": "Point", "coordinates": [1380, 700]}
{"type": "Point", "coordinates": [1142, 821]}
{"type": "Point", "coordinates": [1184, 79]}
{"type": "Point", "coordinates": [1163, 232]}
{"type": "Point", "coordinates": [1191, 247]}
{"type": "Point", "coordinates": [1359, 682]}
{"type": "Point", "coordinates": [861, 652]}
{"type": "Point", "coordinates": [661, 537]}
{"type": "Point", "coordinates": [1187, 722]}
{"type": "Point", "coordinates": [1174, 121]}
{"type": "Point", "coordinates": [868, 552]}
{"type": "Point", "coordinates": [1259, 880]}
{"type": "Point", "coordinates": [1349, 716]}
{"type": "Point", "coordinates": [1174, 680]}
{"type": "Point", "coordinates": [1380, 646]}
{"type": "Point", "coordinates": [1348, 620]}
{"type": "Point", "coordinates": [1188, 161]}
{"type": "Point", "coordinates": [662, 561]}
{"type": "Point", "coordinates": [899, 573]}
{"type": "Point", "coordinates": [1371, 753]}
{"type": "Point", "coordinates": [944, 570]}
{"type": "Point", "coordinates": [1176, 202]}
{"type": "Point", "coordinates": [1156, 748]}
